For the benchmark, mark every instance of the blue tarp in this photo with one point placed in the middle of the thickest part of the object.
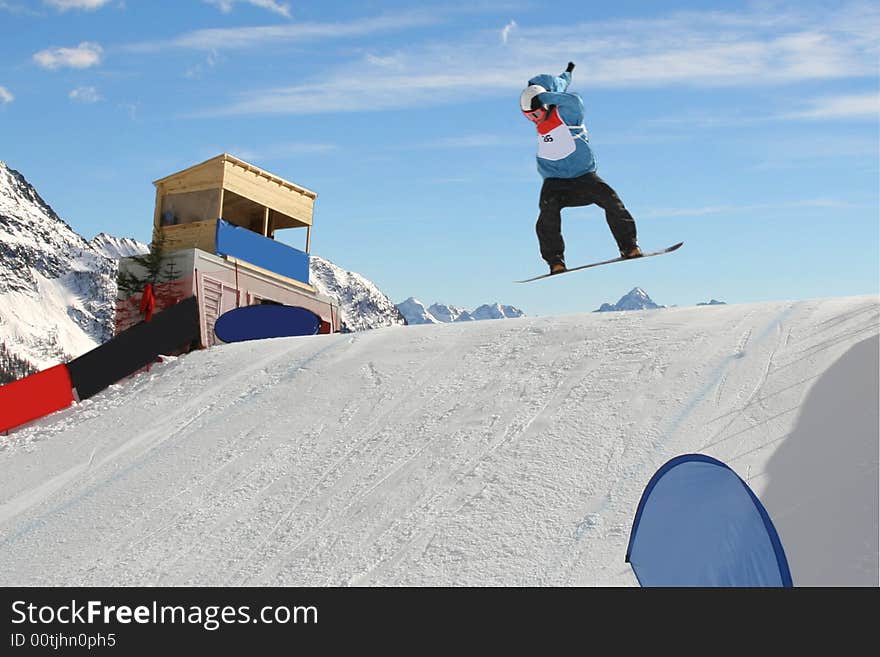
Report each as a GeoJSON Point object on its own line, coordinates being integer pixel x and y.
{"type": "Point", "coordinates": [261, 251]}
{"type": "Point", "coordinates": [699, 524]}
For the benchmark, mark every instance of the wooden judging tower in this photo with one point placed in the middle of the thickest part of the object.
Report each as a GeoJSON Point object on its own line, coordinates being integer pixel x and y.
{"type": "Point", "coordinates": [189, 202]}
{"type": "Point", "coordinates": [217, 223]}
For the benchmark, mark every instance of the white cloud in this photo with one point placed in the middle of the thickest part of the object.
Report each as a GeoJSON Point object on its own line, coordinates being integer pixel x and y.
{"type": "Point", "coordinates": [237, 38]}
{"type": "Point", "coordinates": [823, 146]}
{"type": "Point", "coordinates": [285, 150]}
{"type": "Point", "coordinates": [14, 8]}
{"type": "Point", "coordinates": [85, 95]}
{"type": "Point", "coordinates": [85, 5]}
{"type": "Point", "coordinates": [84, 55]}
{"type": "Point", "coordinates": [131, 109]}
{"type": "Point", "coordinates": [472, 141]}
{"type": "Point", "coordinates": [210, 62]}
{"type": "Point", "coordinates": [820, 203]}
{"type": "Point", "coordinates": [743, 49]}
{"type": "Point", "coordinates": [387, 61]}
{"type": "Point", "coordinates": [5, 96]}
{"type": "Point", "coordinates": [276, 7]}
{"type": "Point", "coordinates": [841, 107]}
{"type": "Point", "coordinates": [505, 32]}
{"type": "Point", "coordinates": [362, 91]}
{"type": "Point", "coordinates": [855, 106]}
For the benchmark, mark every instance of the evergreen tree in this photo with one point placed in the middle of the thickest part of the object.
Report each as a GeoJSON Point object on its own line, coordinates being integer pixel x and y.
{"type": "Point", "coordinates": [13, 368]}
{"type": "Point", "coordinates": [158, 271]}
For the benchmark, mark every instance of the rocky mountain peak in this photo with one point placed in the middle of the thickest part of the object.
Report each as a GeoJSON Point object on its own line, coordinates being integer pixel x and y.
{"type": "Point", "coordinates": [635, 299]}
{"type": "Point", "coordinates": [56, 292]}
{"type": "Point", "coordinates": [362, 305]}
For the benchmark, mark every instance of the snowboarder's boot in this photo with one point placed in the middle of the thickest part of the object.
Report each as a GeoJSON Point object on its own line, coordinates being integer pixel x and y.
{"type": "Point", "coordinates": [633, 252]}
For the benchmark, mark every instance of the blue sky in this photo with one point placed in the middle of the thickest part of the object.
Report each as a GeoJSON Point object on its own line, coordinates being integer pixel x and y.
{"type": "Point", "coordinates": [748, 130]}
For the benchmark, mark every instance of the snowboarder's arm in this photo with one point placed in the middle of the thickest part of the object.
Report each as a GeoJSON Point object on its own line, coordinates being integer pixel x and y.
{"type": "Point", "coordinates": [569, 104]}
{"type": "Point", "coordinates": [566, 76]}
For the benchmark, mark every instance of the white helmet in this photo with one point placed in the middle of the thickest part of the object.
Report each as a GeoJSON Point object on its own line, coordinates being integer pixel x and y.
{"type": "Point", "coordinates": [528, 100]}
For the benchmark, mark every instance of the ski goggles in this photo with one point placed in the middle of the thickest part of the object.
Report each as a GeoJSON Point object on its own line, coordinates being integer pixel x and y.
{"type": "Point", "coordinates": [535, 115]}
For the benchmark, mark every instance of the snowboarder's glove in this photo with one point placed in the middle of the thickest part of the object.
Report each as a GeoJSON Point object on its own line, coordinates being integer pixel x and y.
{"type": "Point", "coordinates": [570, 67]}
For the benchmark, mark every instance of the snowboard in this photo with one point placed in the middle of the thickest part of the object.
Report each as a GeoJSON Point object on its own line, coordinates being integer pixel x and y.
{"type": "Point", "coordinates": [669, 249]}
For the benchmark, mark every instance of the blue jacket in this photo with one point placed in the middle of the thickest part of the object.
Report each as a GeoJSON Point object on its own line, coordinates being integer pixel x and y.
{"type": "Point", "coordinates": [571, 110]}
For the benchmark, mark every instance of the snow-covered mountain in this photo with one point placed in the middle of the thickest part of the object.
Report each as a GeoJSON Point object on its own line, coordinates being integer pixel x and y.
{"type": "Point", "coordinates": [712, 302]}
{"type": "Point", "coordinates": [118, 247]}
{"type": "Point", "coordinates": [447, 314]}
{"type": "Point", "coordinates": [362, 305]}
{"type": "Point", "coordinates": [415, 312]}
{"type": "Point", "coordinates": [497, 311]}
{"type": "Point", "coordinates": [635, 299]}
{"type": "Point", "coordinates": [56, 290]}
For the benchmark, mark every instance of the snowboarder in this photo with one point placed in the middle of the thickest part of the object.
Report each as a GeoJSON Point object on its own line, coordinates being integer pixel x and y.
{"type": "Point", "coordinates": [568, 166]}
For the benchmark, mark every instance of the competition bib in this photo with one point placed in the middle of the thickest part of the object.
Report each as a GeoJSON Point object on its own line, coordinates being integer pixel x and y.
{"type": "Point", "coordinates": [554, 138]}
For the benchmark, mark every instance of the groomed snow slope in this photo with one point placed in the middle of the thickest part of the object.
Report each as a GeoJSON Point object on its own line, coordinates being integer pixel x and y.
{"type": "Point", "coordinates": [510, 452]}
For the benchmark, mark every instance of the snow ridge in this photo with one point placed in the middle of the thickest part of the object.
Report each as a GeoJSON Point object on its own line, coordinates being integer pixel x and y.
{"type": "Point", "coordinates": [118, 247]}
{"type": "Point", "coordinates": [362, 305]}
{"type": "Point", "coordinates": [416, 312]}
{"type": "Point", "coordinates": [484, 454]}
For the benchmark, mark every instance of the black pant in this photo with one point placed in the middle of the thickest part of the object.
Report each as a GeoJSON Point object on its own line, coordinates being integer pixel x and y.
{"type": "Point", "coordinates": [558, 193]}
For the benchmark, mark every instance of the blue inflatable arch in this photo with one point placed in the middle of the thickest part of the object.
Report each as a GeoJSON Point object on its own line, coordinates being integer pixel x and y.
{"type": "Point", "coordinates": [699, 524]}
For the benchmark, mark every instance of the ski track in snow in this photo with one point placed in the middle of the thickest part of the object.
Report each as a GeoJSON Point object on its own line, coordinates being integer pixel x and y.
{"type": "Point", "coordinates": [497, 453]}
